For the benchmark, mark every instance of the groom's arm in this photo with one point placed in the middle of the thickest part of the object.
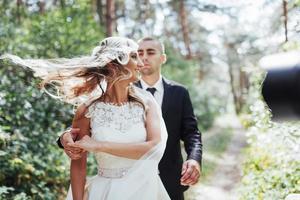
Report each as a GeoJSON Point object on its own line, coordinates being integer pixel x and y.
{"type": "Point", "coordinates": [191, 168]}
{"type": "Point", "coordinates": [68, 137]}
{"type": "Point", "coordinates": [59, 143]}
{"type": "Point", "coordinates": [65, 137]}
{"type": "Point", "coordinates": [190, 133]}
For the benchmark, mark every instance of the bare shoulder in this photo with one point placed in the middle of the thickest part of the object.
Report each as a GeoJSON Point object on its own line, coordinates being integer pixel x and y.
{"type": "Point", "coordinates": [80, 112]}
{"type": "Point", "coordinates": [81, 122]}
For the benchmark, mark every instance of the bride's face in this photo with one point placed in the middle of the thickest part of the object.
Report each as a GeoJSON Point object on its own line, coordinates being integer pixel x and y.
{"type": "Point", "coordinates": [134, 65]}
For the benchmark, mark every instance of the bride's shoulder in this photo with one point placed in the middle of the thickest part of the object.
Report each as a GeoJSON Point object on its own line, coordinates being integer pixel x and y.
{"type": "Point", "coordinates": [144, 95]}
{"type": "Point", "coordinates": [147, 98]}
{"type": "Point", "coordinates": [81, 112]}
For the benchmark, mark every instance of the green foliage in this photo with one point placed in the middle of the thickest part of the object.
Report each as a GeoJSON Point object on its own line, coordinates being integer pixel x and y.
{"type": "Point", "coordinates": [32, 166]}
{"type": "Point", "coordinates": [218, 143]}
{"type": "Point", "coordinates": [208, 168]}
{"type": "Point", "coordinates": [214, 146]}
{"type": "Point", "coordinates": [269, 176]}
{"type": "Point", "coordinates": [293, 45]}
{"type": "Point", "coordinates": [56, 33]}
{"type": "Point", "coordinates": [206, 104]}
{"type": "Point", "coordinates": [272, 168]}
{"type": "Point", "coordinates": [30, 161]}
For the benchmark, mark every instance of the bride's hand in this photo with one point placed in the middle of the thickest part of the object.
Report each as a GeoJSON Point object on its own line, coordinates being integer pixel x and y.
{"type": "Point", "coordinates": [86, 143]}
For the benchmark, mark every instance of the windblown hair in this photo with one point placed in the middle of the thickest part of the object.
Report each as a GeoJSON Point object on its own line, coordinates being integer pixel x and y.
{"type": "Point", "coordinates": [78, 80]}
{"type": "Point", "coordinates": [89, 81]}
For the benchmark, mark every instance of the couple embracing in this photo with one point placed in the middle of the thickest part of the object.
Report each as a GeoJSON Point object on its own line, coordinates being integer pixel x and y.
{"type": "Point", "coordinates": [133, 125]}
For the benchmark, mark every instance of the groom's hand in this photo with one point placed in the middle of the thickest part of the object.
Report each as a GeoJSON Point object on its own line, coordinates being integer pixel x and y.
{"type": "Point", "coordinates": [69, 137]}
{"type": "Point", "coordinates": [190, 173]}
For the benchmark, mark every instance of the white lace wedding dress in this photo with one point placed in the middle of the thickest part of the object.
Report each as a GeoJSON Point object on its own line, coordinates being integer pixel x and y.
{"type": "Point", "coordinates": [121, 178]}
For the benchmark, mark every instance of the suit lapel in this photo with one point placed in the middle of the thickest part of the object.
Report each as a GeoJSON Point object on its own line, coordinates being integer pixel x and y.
{"type": "Point", "coordinates": [166, 97]}
{"type": "Point", "coordinates": [167, 94]}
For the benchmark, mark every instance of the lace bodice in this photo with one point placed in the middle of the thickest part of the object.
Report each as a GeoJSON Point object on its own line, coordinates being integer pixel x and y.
{"type": "Point", "coordinates": [118, 177]}
{"type": "Point", "coordinates": [123, 124]}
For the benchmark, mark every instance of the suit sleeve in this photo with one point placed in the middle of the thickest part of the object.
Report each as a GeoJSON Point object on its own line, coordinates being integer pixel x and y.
{"type": "Point", "coordinates": [59, 144]}
{"type": "Point", "coordinates": [190, 134]}
{"type": "Point", "coordinates": [58, 141]}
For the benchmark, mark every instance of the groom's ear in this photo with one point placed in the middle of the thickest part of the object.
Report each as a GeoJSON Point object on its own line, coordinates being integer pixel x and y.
{"type": "Point", "coordinates": [163, 58]}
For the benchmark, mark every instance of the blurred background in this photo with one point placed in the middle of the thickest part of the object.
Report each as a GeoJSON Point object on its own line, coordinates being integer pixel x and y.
{"type": "Point", "coordinates": [213, 48]}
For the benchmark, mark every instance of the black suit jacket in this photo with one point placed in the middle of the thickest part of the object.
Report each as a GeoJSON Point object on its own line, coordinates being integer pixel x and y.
{"type": "Point", "coordinates": [181, 124]}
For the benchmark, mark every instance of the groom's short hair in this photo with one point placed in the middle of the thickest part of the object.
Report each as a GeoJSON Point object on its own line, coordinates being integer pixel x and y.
{"type": "Point", "coordinates": [148, 38]}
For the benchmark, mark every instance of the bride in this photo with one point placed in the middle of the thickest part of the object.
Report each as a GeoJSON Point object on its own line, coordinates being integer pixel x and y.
{"type": "Point", "coordinates": [119, 123]}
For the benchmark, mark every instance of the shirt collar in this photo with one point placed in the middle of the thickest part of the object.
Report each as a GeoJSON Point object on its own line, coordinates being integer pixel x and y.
{"type": "Point", "coordinates": [158, 85]}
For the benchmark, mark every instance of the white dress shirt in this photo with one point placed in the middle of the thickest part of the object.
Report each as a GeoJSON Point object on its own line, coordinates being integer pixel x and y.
{"type": "Point", "coordinates": [159, 93]}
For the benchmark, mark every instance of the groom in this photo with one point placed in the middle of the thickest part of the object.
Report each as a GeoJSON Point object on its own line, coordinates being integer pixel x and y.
{"type": "Point", "coordinates": [179, 118]}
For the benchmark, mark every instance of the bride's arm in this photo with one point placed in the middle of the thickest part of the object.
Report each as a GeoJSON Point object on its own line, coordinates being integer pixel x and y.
{"type": "Point", "coordinates": [136, 150]}
{"type": "Point", "coordinates": [129, 150]}
{"type": "Point", "coordinates": [78, 167]}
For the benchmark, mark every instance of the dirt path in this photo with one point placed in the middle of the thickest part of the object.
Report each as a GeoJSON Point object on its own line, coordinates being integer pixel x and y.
{"type": "Point", "coordinates": [222, 184]}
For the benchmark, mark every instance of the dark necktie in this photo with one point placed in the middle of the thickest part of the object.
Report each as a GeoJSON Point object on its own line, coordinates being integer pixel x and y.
{"type": "Point", "coordinates": [151, 90]}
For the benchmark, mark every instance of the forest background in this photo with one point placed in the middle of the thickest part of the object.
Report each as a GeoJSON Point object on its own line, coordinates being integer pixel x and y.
{"type": "Point", "coordinates": [213, 48]}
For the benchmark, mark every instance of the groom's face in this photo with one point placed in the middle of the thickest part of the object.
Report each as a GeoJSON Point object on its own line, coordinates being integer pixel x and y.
{"type": "Point", "coordinates": [150, 53]}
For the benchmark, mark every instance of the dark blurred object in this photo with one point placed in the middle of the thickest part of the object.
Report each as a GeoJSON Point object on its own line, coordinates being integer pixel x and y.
{"type": "Point", "coordinates": [281, 88]}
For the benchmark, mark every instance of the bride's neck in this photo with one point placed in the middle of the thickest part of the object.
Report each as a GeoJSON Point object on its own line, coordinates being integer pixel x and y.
{"type": "Point", "coordinates": [117, 94]}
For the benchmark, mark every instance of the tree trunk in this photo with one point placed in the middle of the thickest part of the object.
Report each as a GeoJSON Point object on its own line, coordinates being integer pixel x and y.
{"type": "Point", "coordinates": [99, 9]}
{"type": "Point", "coordinates": [235, 77]}
{"type": "Point", "coordinates": [62, 4]}
{"type": "Point", "coordinates": [285, 20]}
{"type": "Point", "coordinates": [41, 5]}
{"type": "Point", "coordinates": [116, 8]}
{"type": "Point", "coordinates": [19, 3]}
{"type": "Point", "coordinates": [185, 28]}
{"type": "Point", "coordinates": [236, 99]}
{"type": "Point", "coordinates": [110, 17]}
